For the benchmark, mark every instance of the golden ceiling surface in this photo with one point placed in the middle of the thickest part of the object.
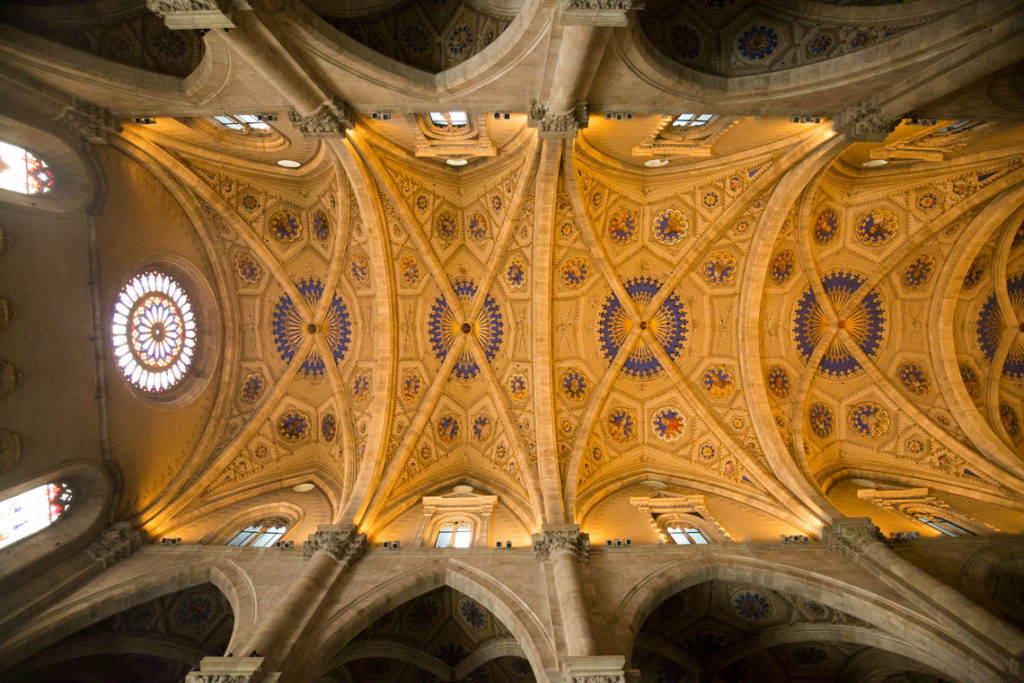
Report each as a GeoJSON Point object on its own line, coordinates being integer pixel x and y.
{"type": "Point", "coordinates": [762, 319]}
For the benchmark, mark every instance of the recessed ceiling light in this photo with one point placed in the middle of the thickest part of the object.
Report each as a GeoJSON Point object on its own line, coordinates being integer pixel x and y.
{"type": "Point", "coordinates": [456, 162]}
{"type": "Point", "coordinates": [288, 163]}
{"type": "Point", "coordinates": [874, 163]}
{"type": "Point", "coordinates": [304, 487]}
{"type": "Point", "coordinates": [866, 483]}
{"type": "Point", "coordinates": [656, 163]}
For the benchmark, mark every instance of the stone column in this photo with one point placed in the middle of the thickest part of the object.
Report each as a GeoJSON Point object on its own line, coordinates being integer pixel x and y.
{"type": "Point", "coordinates": [329, 550]}
{"type": "Point", "coordinates": [564, 546]}
{"type": "Point", "coordinates": [989, 638]}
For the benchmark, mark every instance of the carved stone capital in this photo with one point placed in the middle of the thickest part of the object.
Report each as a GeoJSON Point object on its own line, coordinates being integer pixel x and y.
{"type": "Point", "coordinates": [552, 125]}
{"type": "Point", "coordinates": [595, 669]}
{"type": "Point", "coordinates": [331, 119]}
{"type": "Point", "coordinates": [597, 12]}
{"type": "Point", "coordinates": [228, 670]}
{"type": "Point", "coordinates": [851, 536]}
{"type": "Point", "coordinates": [344, 544]}
{"type": "Point", "coordinates": [116, 542]}
{"type": "Point", "coordinates": [565, 537]}
{"type": "Point", "coordinates": [94, 124]}
{"type": "Point", "coordinates": [193, 14]}
{"type": "Point", "coordinates": [865, 122]}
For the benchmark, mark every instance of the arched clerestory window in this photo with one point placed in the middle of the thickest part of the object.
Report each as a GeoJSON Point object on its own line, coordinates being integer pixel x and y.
{"type": "Point", "coordinates": [32, 511]}
{"type": "Point", "coordinates": [23, 172]}
{"type": "Point", "coordinates": [261, 534]}
{"type": "Point", "coordinates": [454, 534]}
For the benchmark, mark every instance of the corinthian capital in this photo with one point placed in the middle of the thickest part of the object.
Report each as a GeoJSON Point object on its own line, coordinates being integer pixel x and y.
{"type": "Point", "coordinates": [88, 121]}
{"type": "Point", "coordinates": [865, 122]}
{"type": "Point", "coordinates": [554, 125]}
{"type": "Point", "coordinates": [331, 119]}
{"type": "Point", "coordinates": [344, 544]}
{"type": "Point", "coordinates": [597, 12]}
{"type": "Point", "coordinates": [116, 542]}
{"type": "Point", "coordinates": [851, 536]}
{"type": "Point", "coordinates": [562, 537]}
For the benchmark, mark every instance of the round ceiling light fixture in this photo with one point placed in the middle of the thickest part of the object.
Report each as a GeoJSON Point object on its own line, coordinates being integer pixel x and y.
{"type": "Point", "coordinates": [304, 487]}
{"type": "Point", "coordinates": [875, 163]}
{"type": "Point", "coordinates": [656, 163]}
{"type": "Point", "coordinates": [456, 162]}
{"type": "Point", "coordinates": [288, 163]}
{"type": "Point", "coordinates": [864, 483]}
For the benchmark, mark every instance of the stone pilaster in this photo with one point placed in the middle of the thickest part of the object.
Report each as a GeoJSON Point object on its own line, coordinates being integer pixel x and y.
{"type": "Point", "coordinates": [88, 121]}
{"type": "Point", "coordinates": [550, 124]}
{"type": "Point", "coordinates": [345, 545]}
{"type": "Point", "coordinates": [116, 542]}
{"type": "Point", "coordinates": [330, 120]}
{"type": "Point", "coordinates": [597, 12]}
{"type": "Point", "coordinates": [564, 547]}
{"type": "Point", "coordinates": [865, 122]}
{"type": "Point", "coordinates": [229, 670]}
{"type": "Point", "coordinates": [194, 14]}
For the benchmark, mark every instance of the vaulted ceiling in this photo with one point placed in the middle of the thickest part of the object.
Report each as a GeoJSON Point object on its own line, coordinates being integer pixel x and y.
{"type": "Point", "coordinates": [760, 320]}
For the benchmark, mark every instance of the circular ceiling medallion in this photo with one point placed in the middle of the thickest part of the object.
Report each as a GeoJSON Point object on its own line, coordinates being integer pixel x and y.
{"type": "Point", "coordinates": [153, 331]}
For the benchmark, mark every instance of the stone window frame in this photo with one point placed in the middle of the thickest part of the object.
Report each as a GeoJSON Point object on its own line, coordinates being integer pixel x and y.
{"type": "Point", "coordinates": [668, 509]}
{"type": "Point", "coordinates": [921, 502]}
{"type": "Point", "coordinates": [265, 524]}
{"type": "Point", "coordinates": [453, 142]}
{"type": "Point", "coordinates": [462, 505]}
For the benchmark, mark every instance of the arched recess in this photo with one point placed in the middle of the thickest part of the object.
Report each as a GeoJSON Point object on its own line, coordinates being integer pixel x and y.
{"type": "Point", "coordinates": [523, 623]}
{"type": "Point", "coordinates": [933, 649]}
{"type": "Point", "coordinates": [140, 582]}
{"type": "Point", "coordinates": [287, 512]}
{"type": "Point", "coordinates": [75, 183]}
{"type": "Point", "coordinates": [93, 493]}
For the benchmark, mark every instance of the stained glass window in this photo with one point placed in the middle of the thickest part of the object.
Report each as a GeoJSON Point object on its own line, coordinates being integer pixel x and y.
{"type": "Point", "coordinates": [259, 536]}
{"type": "Point", "coordinates": [32, 511]}
{"type": "Point", "coordinates": [21, 171]}
{"type": "Point", "coordinates": [154, 332]}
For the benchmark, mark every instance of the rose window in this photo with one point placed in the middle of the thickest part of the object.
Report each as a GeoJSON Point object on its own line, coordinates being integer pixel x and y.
{"type": "Point", "coordinates": [154, 332]}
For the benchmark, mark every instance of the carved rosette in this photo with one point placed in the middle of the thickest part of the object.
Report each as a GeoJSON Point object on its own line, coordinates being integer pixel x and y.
{"type": "Point", "coordinates": [116, 542]}
{"type": "Point", "coordinates": [568, 538]}
{"type": "Point", "coordinates": [552, 125]}
{"type": "Point", "coordinates": [331, 119]}
{"type": "Point", "coordinates": [94, 124]}
{"type": "Point", "coordinates": [344, 545]}
{"type": "Point", "coordinates": [851, 537]}
{"type": "Point", "coordinates": [865, 122]}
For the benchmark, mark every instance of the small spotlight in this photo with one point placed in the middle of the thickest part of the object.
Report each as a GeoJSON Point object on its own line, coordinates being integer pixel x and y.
{"type": "Point", "coordinates": [508, 544]}
{"type": "Point", "coordinates": [618, 542]}
{"type": "Point", "coordinates": [285, 545]}
{"type": "Point", "coordinates": [498, 544]}
{"type": "Point", "coordinates": [507, 116]}
{"type": "Point", "coordinates": [629, 541]}
{"type": "Point", "coordinates": [395, 545]}
{"type": "Point", "coordinates": [170, 541]}
{"type": "Point", "coordinates": [386, 544]}
{"type": "Point", "coordinates": [145, 120]}
{"type": "Point", "coordinates": [609, 542]}
{"type": "Point", "coordinates": [608, 115]}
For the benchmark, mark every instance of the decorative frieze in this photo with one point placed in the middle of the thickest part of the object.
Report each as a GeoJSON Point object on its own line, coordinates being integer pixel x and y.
{"type": "Point", "coordinates": [330, 119]}
{"type": "Point", "coordinates": [566, 537]}
{"type": "Point", "coordinates": [88, 121]}
{"type": "Point", "coordinates": [343, 544]}
{"type": "Point", "coordinates": [865, 122]}
{"type": "Point", "coordinates": [550, 124]}
{"type": "Point", "coordinates": [193, 14]}
{"type": "Point", "coordinates": [114, 543]}
{"type": "Point", "coordinates": [851, 536]}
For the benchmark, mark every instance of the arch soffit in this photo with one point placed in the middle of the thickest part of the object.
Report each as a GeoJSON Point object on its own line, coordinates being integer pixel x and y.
{"type": "Point", "coordinates": [644, 59]}
{"type": "Point", "coordinates": [664, 582]}
{"type": "Point", "coordinates": [350, 56]}
{"type": "Point", "coordinates": [525, 625]}
{"type": "Point", "coordinates": [139, 584]}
